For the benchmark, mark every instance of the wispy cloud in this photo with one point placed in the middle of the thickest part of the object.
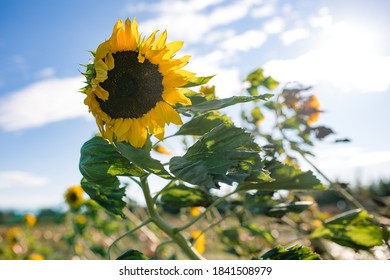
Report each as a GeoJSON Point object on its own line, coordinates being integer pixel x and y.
{"type": "Point", "coordinates": [13, 179]}
{"type": "Point", "coordinates": [41, 103]}
{"type": "Point", "coordinates": [290, 36]}
{"type": "Point", "coordinates": [45, 73]}
{"type": "Point", "coordinates": [244, 42]}
{"type": "Point", "coordinates": [191, 21]}
{"type": "Point", "coordinates": [274, 25]}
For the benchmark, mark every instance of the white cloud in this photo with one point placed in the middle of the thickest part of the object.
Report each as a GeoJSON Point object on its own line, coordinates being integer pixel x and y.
{"type": "Point", "coordinates": [266, 10]}
{"type": "Point", "coordinates": [41, 103]}
{"type": "Point", "coordinates": [45, 73]}
{"type": "Point", "coordinates": [218, 36]}
{"type": "Point", "coordinates": [290, 36]}
{"type": "Point", "coordinates": [190, 21]}
{"type": "Point", "coordinates": [274, 25]}
{"type": "Point", "coordinates": [13, 179]}
{"type": "Point", "coordinates": [323, 20]}
{"type": "Point", "coordinates": [227, 80]}
{"type": "Point", "coordinates": [244, 42]}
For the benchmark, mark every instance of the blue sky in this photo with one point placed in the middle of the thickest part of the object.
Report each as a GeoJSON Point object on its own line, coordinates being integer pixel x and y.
{"type": "Point", "coordinates": [339, 47]}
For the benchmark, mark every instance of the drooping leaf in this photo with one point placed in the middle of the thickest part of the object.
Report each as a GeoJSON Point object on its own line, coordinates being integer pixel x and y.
{"type": "Point", "coordinates": [283, 177]}
{"type": "Point", "coordinates": [355, 229]}
{"type": "Point", "coordinates": [216, 104]}
{"type": "Point", "coordinates": [201, 124]}
{"type": "Point", "coordinates": [100, 164]}
{"type": "Point", "coordinates": [197, 81]}
{"type": "Point", "coordinates": [294, 253]}
{"type": "Point", "coordinates": [183, 196]}
{"type": "Point", "coordinates": [109, 196]}
{"type": "Point", "coordinates": [225, 154]}
{"type": "Point", "coordinates": [132, 255]}
{"type": "Point", "coordinates": [141, 158]}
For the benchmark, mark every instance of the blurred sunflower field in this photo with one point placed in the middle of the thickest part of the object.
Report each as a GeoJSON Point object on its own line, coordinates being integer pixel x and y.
{"type": "Point", "coordinates": [235, 190]}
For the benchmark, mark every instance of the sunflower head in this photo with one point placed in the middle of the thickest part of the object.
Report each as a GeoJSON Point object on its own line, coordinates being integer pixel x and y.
{"type": "Point", "coordinates": [311, 108]}
{"type": "Point", "coordinates": [132, 84]}
{"type": "Point", "coordinates": [30, 220]}
{"type": "Point", "coordinates": [74, 196]}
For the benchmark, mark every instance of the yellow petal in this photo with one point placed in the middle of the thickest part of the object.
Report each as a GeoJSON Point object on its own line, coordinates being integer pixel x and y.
{"type": "Point", "coordinates": [101, 71]}
{"type": "Point", "coordinates": [102, 50]}
{"type": "Point", "coordinates": [173, 96]}
{"type": "Point", "coordinates": [101, 92]}
{"type": "Point", "coordinates": [168, 113]}
{"type": "Point", "coordinates": [160, 41]}
{"type": "Point", "coordinates": [167, 65]}
{"type": "Point", "coordinates": [109, 60]}
{"type": "Point", "coordinates": [136, 35]}
{"type": "Point", "coordinates": [124, 127]}
{"type": "Point", "coordinates": [173, 47]}
{"type": "Point", "coordinates": [137, 134]}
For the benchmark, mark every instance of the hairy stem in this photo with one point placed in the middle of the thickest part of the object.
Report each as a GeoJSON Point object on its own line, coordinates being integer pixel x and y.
{"type": "Point", "coordinates": [155, 217]}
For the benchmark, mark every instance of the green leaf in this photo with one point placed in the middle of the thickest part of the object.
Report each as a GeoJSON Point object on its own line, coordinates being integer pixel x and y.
{"type": "Point", "coordinates": [183, 196]}
{"type": "Point", "coordinates": [197, 81]}
{"type": "Point", "coordinates": [257, 78]}
{"type": "Point", "coordinates": [284, 177]}
{"type": "Point", "coordinates": [355, 229]}
{"type": "Point", "coordinates": [109, 196]}
{"type": "Point", "coordinates": [282, 209]}
{"type": "Point", "coordinates": [100, 164]}
{"type": "Point", "coordinates": [201, 124]}
{"type": "Point", "coordinates": [261, 232]}
{"type": "Point", "coordinates": [225, 154]}
{"type": "Point", "coordinates": [270, 83]}
{"type": "Point", "coordinates": [141, 157]}
{"type": "Point", "coordinates": [132, 255]}
{"type": "Point", "coordinates": [216, 104]}
{"type": "Point", "coordinates": [294, 253]}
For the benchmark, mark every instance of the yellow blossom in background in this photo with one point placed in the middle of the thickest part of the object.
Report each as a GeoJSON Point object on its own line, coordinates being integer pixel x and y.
{"type": "Point", "coordinates": [200, 241]}
{"type": "Point", "coordinates": [208, 91]}
{"type": "Point", "coordinates": [81, 220]}
{"type": "Point", "coordinates": [30, 220]}
{"type": "Point", "coordinates": [195, 211]}
{"type": "Point", "coordinates": [133, 84]}
{"type": "Point", "coordinates": [162, 150]}
{"type": "Point", "coordinates": [35, 257]}
{"type": "Point", "coordinates": [74, 196]}
{"type": "Point", "coordinates": [14, 235]}
{"type": "Point", "coordinates": [311, 107]}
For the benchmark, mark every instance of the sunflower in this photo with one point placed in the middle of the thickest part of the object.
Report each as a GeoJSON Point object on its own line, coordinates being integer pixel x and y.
{"type": "Point", "coordinates": [311, 107]}
{"type": "Point", "coordinates": [74, 196]}
{"type": "Point", "coordinates": [133, 84]}
{"type": "Point", "coordinates": [199, 239]}
{"type": "Point", "coordinates": [30, 220]}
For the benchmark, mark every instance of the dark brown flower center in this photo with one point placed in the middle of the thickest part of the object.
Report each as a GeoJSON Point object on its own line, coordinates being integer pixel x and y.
{"type": "Point", "coordinates": [134, 88]}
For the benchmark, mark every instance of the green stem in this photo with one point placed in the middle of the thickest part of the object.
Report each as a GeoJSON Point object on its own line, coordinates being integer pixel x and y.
{"type": "Point", "coordinates": [144, 223]}
{"type": "Point", "coordinates": [346, 195]}
{"type": "Point", "coordinates": [164, 226]}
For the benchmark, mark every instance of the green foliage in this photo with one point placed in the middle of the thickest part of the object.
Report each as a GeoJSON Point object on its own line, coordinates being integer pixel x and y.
{"type": "Point", "coordinates": [294, 253]}
{"type": "Point", "coordinates": [226, 154]}
{"type": "Point", "coordinates": [283, 177]}
{"type": "Point", "coordinates": [216, 104]}
{"type": "Point", "coordinates": [141, 157]}
{"type": "Point", "coordinates": [100, 164]}
{"type": "Point", "coordinates": [132, 255]}
{"type": "Point", "coordinates": [257, 79]}
{"type": "Point", "coordinates": [356, 229]}
{"type": "Point", "coordinates": [197, 81]}
{"type": "Point", "coordinates": [203, 123]}
{"type": "Point", "coordinates": [179, 196]}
